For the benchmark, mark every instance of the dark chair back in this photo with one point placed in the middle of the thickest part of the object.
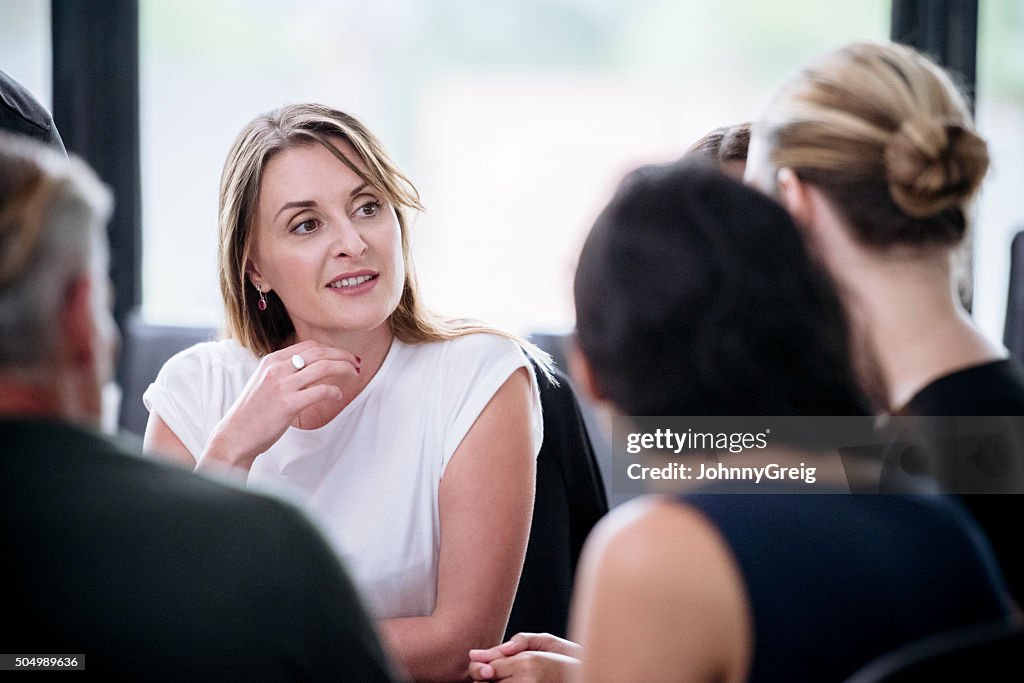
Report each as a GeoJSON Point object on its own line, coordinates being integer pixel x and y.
{"type": "Point", "coordinates": [986, 652]}
{"type": "Point", "coordinates": [570, 499]}
{"type": "Point", "coordinates": [146, 348]}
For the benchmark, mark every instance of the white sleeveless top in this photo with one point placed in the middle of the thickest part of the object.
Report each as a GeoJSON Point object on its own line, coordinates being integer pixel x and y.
{"type": "Point", "coordinates": [370, 477]}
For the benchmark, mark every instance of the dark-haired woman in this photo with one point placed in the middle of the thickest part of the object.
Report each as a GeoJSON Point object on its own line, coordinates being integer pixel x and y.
{"type": "Point", "coordinates": [696, 296]}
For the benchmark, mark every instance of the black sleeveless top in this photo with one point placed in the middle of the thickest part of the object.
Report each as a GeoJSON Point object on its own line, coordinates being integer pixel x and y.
{"type": "Point", "coordinates": [835, 580]}
{"type": "Point", "coordinates": [995, 388]}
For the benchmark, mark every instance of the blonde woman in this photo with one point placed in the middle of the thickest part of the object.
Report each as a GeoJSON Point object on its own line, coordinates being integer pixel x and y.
{"type": "Point", "coordinates": [413, 440]}
{"type": "Point", "coordinates": [873, 151]}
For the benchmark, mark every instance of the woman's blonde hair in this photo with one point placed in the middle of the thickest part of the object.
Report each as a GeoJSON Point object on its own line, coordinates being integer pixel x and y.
{"type": "Point", "coordinates": [294, 126]}
{"type": "Point", "coordinates": [887, 136]}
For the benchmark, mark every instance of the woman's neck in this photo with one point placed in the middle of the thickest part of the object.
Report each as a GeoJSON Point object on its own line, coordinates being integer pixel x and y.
{"type": "Point", "coordinates": [370, 347]}
{"type": "Point", "coordinates": [908, 326]}
{"type": "Point", "coordinates": [907, 309]}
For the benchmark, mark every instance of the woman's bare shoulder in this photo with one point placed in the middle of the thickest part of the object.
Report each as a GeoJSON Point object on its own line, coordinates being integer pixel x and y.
{"type": "Point", "coordinates": [662, 567]}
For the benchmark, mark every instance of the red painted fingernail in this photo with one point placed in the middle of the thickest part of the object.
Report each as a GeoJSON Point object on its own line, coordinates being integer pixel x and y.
{"type": "Point", "coordinates": [357, 371]}
{"type": "Point", "coordinates": [358, 359]}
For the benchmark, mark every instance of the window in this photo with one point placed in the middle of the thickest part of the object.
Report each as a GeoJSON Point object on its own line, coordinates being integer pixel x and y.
{"type": "Point", "coordinates": [25, 46]}
{"type": "Point", "coordinates": [1000, 116]}
{"type": "Point", "coordinates": [515, 120]}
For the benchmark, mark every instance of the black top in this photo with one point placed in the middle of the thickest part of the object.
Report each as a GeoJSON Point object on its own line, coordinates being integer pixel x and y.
{"type": "Point", "coordinates": [155, 573]}
{"type": "Point", "coordinates": [997, 389]}
{"type": "Point", "coordinates": [21, 113]}
{"type": "Point", "coordinates": [835, 580]}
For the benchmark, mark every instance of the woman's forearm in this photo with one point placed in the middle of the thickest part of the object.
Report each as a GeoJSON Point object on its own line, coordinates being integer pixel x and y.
{"type": "Point", "coordinates": [219, 456]}
{"type": "Point", "coordinates": [434, 649]}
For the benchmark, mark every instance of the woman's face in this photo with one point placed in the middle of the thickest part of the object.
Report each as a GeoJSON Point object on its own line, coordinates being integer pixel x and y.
{"type": "Point", "coordinates": [327, 243]}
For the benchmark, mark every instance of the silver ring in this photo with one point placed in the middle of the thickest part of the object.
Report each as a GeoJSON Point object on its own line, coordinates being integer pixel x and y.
{"type": "Point", "coordinates": [298, 362]}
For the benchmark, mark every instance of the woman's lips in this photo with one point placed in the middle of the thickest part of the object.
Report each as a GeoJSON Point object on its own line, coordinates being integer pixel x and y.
{"type": "Point", "coordinates": [354, 284]}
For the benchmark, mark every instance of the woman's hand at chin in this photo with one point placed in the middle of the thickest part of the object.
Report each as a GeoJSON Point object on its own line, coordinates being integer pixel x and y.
{"type": "Point", "coordinates": [285, 383]}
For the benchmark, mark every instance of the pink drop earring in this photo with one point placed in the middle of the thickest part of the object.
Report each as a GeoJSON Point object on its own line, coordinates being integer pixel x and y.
{"type": "Point", "coordinates": [262, 305]}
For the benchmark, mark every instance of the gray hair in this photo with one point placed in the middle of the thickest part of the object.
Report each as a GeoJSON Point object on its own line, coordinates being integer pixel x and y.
{"type": "Point", "coordinates": [53, 212]}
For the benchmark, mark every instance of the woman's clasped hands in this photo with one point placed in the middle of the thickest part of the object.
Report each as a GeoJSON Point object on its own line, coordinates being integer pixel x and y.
{"type": "Point", "coordinates": [527, 658]}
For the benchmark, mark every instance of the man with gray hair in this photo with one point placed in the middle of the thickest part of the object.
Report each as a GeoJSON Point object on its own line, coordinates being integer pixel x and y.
{"type": "Point", "coordinates": [114, 563]}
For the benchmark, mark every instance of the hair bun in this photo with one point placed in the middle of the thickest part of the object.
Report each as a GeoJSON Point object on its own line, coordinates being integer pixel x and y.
{"type": "Point", "coordinates": [933, 165]}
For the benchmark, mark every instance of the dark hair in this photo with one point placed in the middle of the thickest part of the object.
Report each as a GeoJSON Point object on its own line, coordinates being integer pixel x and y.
{"type": "Point", "coordinates": [696, 295]}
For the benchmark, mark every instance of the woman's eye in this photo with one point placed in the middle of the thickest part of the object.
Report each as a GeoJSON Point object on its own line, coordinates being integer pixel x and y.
{"type": "Point", "coordinates": [369, 209]}
{"type": "Point", "coordinates": [305, 227]}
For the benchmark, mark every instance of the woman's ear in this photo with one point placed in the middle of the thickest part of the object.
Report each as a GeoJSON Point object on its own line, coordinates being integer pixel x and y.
{"type": "Point", "coordinates": [253, 273]}
{"type": "Point", "coordinates": [793, 194]}
{"type": "Point", "coordinates": [813, 213]}
{"type": "Point", "coordinates": [582, 374]}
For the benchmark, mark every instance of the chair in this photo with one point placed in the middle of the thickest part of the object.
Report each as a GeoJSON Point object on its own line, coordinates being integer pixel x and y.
{"type": "Point", "coordinates": [985, 652]}
{"type": "Point", "coordinates": [570, 499]}
{"type": "Point", "coordinates": [146, 348]}
{"type": "Point", "coordinates": [557, 346]}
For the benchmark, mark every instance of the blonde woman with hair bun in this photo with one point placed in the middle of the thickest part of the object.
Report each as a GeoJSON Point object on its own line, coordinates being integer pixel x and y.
{"type": "Point", "coordinates": [873, 151]}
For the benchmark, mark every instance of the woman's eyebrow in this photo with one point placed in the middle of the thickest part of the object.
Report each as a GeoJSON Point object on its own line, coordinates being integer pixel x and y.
{"type": "Point", "coordinates": [309, 203]}
{"type": "Point", "coordinates": [304, 204]}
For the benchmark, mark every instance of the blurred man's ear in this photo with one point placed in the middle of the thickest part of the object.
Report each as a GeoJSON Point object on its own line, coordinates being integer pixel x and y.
{"type": "Point", "coordinates": [582, 374]}
{"type": "Point", "coordinates": [77, 324]}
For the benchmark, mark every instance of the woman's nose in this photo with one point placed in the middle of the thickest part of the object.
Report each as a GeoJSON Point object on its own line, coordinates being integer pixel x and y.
{"type": "Point", "coordinates": [347, 241]}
